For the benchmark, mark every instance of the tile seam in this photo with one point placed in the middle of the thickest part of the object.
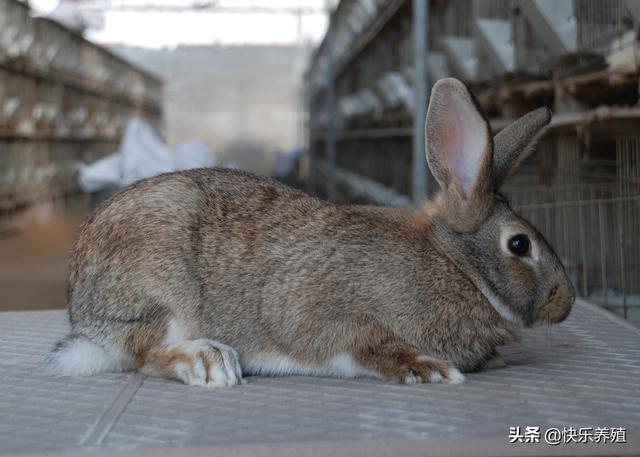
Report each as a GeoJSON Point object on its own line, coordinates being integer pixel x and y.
{"type": "Point", "coordinates": [109, 417]}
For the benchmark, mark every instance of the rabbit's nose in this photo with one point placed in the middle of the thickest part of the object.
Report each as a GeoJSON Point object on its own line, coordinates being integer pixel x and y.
{"type": "Point", "coordinates": [559, 303]}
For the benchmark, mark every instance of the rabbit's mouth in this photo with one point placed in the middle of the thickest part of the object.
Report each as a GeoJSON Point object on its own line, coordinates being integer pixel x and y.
{"type": "Point", "coordinates": [558, 304]}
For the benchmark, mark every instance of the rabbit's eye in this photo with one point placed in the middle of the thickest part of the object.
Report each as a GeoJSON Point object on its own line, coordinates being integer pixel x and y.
{"type": "Point", "coordinates": [519, 245]}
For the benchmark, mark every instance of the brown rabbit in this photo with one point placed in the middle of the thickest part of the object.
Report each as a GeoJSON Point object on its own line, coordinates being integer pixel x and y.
{"type": "Point", "coordinates": [205, 275]}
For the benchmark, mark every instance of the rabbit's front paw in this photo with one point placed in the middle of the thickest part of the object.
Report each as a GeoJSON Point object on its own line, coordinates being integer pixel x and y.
{"type": "Point", "coordinates": [426, 369]}
{"type": "Point", "coordinates": [203, 362]}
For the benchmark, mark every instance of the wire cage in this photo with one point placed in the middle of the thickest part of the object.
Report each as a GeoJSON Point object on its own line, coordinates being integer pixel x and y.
{"type": "Point", "coordinates": [598, 22]}
{"type": "Point", "coordinates": [586, 202]}
{"type": "Point", "coordinates": [577, 34]}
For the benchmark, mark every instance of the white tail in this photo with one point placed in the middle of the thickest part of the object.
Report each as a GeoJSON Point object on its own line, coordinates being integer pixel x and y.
{"type": "Point", "coordinates": [77, 355]}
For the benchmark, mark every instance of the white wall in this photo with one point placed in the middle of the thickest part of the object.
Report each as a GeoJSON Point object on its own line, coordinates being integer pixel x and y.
{"type": "Point", "coordinates": [242, 101]}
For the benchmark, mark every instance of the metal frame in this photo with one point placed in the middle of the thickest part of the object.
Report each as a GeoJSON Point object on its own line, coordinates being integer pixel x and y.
{"type": "Point", "coordinates": [420, 47]}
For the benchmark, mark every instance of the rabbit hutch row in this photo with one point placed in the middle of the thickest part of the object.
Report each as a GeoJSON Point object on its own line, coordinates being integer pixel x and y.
{"type": "Point", "coordinates": [367, 91]}
{"type": "Point", "coordinates": [63, 100]}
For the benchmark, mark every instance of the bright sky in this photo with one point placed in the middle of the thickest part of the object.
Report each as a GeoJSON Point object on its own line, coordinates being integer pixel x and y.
{"type": "Point", "coordinates": [156, 29]}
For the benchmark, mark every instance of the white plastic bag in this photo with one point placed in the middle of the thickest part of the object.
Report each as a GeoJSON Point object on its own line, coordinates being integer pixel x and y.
{"type": "Point", "coordinates": [104, 173]}
{"type": "Point", "coordinates": [194, 154]}
{"type": "Point", "coordinates": [142, 154]}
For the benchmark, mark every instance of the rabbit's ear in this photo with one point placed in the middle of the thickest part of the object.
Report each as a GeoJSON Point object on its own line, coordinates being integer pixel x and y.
{"type": "Point", "coordinates": [516, 141]}
{"type": "Point", "coordinates": [459, 150]}
{"type": "Point", "coordinates": [459, 145]}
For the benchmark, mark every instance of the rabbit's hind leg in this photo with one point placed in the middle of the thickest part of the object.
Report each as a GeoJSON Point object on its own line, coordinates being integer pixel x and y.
{"type": "Point", "coordinates": [155, 345]}
{"type": "Point", "coordinates": [199, 362]}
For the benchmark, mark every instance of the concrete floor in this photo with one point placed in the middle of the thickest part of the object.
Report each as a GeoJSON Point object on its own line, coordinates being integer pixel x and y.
{"type": "Point", "coordinates": [33, 263]}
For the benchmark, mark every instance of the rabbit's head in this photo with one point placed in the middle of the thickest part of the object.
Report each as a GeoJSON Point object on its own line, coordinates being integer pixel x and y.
{"type": "Point", "coordinates": [504, 255]}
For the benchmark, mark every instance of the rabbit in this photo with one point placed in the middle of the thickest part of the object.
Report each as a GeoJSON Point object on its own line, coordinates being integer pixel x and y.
{"type": "Point", "coordinates": [208, 275]}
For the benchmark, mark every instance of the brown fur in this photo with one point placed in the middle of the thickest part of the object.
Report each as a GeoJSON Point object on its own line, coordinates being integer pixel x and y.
{"type": "Point", "coordinates": [379, 350]}
{"type": "Point", "coordinates": [272, 271]}
{"type": "Point", "coordinates": [163, 361]}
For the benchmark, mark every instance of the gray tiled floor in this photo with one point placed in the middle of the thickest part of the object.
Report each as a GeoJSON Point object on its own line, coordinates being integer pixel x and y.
{"type": "Point", "coordinates": [583, 373]}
